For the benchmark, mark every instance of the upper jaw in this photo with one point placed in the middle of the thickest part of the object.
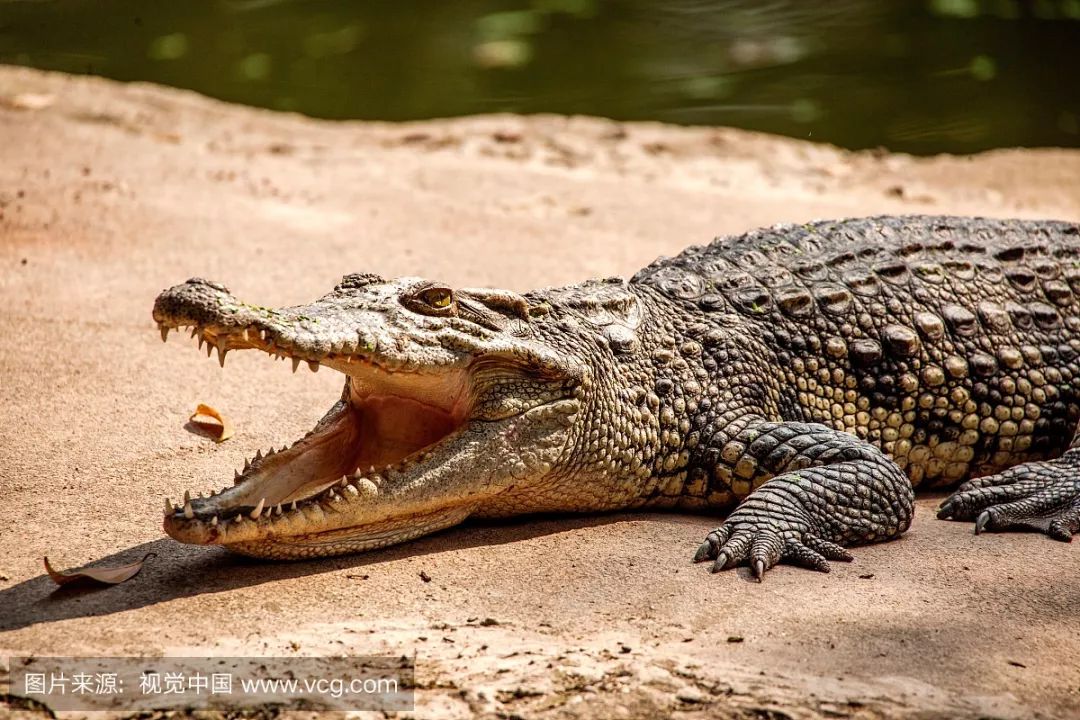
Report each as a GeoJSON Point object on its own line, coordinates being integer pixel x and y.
{"type": "Point", "coordinates": [335, 333]}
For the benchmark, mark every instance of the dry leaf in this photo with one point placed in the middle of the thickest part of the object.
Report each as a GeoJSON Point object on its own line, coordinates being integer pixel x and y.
{"type": "Point", "coordinates": [107, 575]}
{"type": "Point", "coordinates": [208, 419]}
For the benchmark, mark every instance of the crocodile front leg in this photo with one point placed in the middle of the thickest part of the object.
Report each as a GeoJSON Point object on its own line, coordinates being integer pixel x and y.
{"type": "Point", "coordinates": [1041, 496]}
{"type": "Point", "coordinates": [828, 490]}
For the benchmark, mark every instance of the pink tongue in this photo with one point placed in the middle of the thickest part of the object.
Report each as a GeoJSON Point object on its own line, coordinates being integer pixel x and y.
{"type": "Point", "coordinates": [392, 428]}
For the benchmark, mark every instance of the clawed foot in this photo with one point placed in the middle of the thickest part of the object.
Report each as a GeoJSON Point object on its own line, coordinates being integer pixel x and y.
{"type": "Point", "coordinates": [1037, 496]}
{"type": "Point", "coordinates": [762, 545]}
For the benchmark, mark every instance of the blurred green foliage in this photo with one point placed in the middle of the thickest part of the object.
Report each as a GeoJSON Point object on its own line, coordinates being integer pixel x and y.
{"type": "Point", "coordinates": [918, 76]}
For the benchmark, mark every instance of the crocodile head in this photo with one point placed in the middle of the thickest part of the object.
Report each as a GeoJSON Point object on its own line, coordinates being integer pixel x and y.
{"type": "Point", "coordinates": [451, 400]}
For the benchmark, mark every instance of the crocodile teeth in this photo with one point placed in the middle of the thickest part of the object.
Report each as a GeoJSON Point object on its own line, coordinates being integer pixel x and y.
{"type": "Point", "coordinates": [209, 349]}
{"type": "Point", "coordinates": [295, 364]}
{"type": "Point", "coordinates": [258, 454]}
{"type": "Point", "coordinates": [168, 507]}
{"type": "Point", "coordinates": [187, 496]}
{"type": "Point", "coordinates": [244, 334]}
{"type": "Point", "coordinates": [189, 512]}
{"type": "Point", "coordinates": [239, 518]}
{"type": "Point", "coordinates": [277, 510]}
{"type": "Point", "coordinates": [293, 506]}
{"type": "Point", "coordinates": [221, 350]}
{"type": "Point", "coordinates": [343, 481]}
{"type": "Point", "coordinates": [213, 521]}
{"type": "Point", "coordinates": [258, 510]}
{"type": "Point", "coordinates": [201, 341]}
{"type": "Point", "coordinates": [164, 332]}
{"type": "Point", "coordinates": [236, 477]}
{"type": "Point", "coordinates": [195, 331]}
{"type": "Point", "coordinates": [313, 365]}
{"type": "Point", "coordinates": [247, 465]}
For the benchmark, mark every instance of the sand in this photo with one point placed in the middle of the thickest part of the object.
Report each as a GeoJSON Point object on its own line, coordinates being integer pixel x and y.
{"type": "Point", "coordinates": [110, 193]}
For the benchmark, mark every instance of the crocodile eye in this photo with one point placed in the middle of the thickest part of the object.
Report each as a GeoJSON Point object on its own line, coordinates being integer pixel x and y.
{"type": "Point", "coordinates": [439, 298]}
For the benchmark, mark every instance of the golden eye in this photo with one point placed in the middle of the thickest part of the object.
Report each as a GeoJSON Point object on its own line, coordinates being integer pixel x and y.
{"type": "Point", "coordinates": [438, 298]}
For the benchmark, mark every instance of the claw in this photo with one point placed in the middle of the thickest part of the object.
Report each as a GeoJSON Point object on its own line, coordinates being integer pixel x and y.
{"type": "Point", "coordinates": [759, 569]}
{"type": "Point", "coordinates": [704, 551]}
{"type": "Point", "coordinates": [982, 521]}
{"type": "Point", "coordinates": [1059, 531]}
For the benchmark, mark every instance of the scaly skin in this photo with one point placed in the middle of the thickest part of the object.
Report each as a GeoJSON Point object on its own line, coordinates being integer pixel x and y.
{"type": "Point", "coordinates": [810, 376]}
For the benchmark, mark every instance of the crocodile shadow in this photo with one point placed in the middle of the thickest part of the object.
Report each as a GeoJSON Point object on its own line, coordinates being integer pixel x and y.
{"type": "Point", "coordinates": [180, 571]}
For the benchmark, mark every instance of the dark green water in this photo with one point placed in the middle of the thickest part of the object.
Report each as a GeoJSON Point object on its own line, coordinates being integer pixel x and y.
{"type": "Point", "coordinates": [916, 76]}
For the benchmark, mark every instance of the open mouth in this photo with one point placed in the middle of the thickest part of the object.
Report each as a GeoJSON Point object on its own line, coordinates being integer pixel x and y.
{"type": "Point", "coordinates": [386, 421]}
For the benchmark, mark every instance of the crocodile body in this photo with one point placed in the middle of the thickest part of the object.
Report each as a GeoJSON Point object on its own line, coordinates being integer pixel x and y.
{"type": "Point", "coordinates": [808, 376]}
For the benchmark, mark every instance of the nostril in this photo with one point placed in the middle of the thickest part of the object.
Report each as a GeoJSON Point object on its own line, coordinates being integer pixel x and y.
{"type": "Point", "coordinates": [208, 283]}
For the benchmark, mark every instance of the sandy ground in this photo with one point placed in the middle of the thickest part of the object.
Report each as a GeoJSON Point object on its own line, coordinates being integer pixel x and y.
{"type": "Point", "coordinates": [110, 192]}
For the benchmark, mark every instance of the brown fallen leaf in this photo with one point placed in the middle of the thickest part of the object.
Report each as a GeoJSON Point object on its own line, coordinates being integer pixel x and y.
{"type": "Point", "coordinates": [217, 425]}
{"type": "Point", "coordinates": [107, 575]}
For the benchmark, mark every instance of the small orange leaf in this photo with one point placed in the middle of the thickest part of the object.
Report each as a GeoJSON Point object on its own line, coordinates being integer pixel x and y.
{"type": "Point", "coordinates": [107, 575]}
{"type": "Point", "coordinates": [210, 420]}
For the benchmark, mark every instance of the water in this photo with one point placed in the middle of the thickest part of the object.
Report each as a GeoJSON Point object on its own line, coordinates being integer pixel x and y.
{"type": "Point", "coordinates": [920, 77]}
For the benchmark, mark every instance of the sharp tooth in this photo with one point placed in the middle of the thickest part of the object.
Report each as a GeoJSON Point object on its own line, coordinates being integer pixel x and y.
{"type": "Point", "coordinates": [371, 470]}
{"type": "Point", "coordinates": [244, 334]}
{"type": "Point", "coordinates": [221, 350]}
{"type": "Point", "coordinates": [313, 365]}
{"type": "Point", "coordinates": [195, 331]}
{"type": "Point", "coordinates": [164, 332]}
{"type": "Point", "coordinates": [258, 454]}
{"type": "Point", "coordinates": [168, 507]}
{"type": "Point", "coordinates": [201, 341]}
{"type": "Point", "coordinates": [239, 518]}
{"type": "Point", "coordinates": [258, 509]}
{"type": "Point", "coordinates": [283, 448]}
{"type": "Point", "coordinates": [213, 521]}
{"type": "Point", "coordinates": [277, 510]}
{"type": "Point", "coordinates": [343, 481]}
{"type": "Point", "coordinates": [236, 476]}
{"type": "Point", "coordinates": [334, 497]}
{"type": "Point", "coordinates": [293, 506]}
{"type": "Point", "coordinates": [247, 465]}
{"type": "Point", "coordinates": [357, 475]}
{"type": "Point", "coordinates": [187, 497]}
{"type": "Point", "coordinates": [189, 512]}
{"type": "Point", "coordinates": [295, 364]}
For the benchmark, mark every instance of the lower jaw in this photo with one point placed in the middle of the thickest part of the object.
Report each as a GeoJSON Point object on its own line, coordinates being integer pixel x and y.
{"type": "Point", "coordinates": [340, 541]}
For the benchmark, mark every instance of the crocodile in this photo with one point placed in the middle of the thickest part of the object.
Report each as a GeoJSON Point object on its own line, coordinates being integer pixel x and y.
{"type": "Point", "coordinates": [804, 379]}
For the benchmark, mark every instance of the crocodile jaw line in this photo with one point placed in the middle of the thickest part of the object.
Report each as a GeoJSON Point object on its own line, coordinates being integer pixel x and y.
{"type": "Point", "coordinates": [346, 479]}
